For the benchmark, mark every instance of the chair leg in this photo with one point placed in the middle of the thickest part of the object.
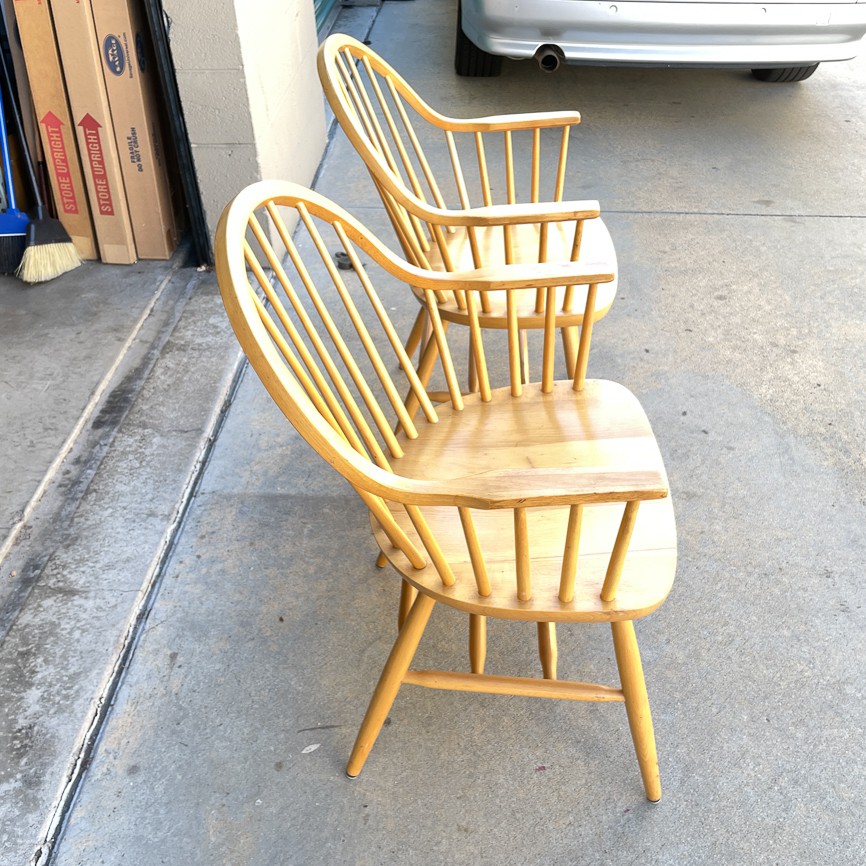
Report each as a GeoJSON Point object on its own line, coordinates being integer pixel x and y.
{"type": "Point", "coordinates": [477, 642]}
{"type": "Point", "coordinates": [570, 339]}
{"type": "Point", "coordinates": [407, 597]}
{"type": "Point", "coordinates": [637, 706]}
{"type": "Point", "coordinates": [390, 681]}
{"type": "Point", "coordinates": [547, 648]}
{"type": "Point", "coordinates": [381, 560]}
{"type": "Point", "coordinates": [428, 354]}
{"type": "Point", "coordinates": [524, 357]}
{"type": "Point", "coordinates": [417, 331]}
{"type": "Point", "coordinates": [472, 379]}
{"type": "Point", "coordinates": [427, 335]}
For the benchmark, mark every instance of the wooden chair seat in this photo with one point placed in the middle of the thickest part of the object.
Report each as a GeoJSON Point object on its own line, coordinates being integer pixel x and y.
{"type": "Point", "coordinates": [597, 246]}
{"type": "Point", "coordinates": [601, 427]}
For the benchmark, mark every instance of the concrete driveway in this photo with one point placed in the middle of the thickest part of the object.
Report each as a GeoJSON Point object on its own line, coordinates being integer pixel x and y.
{"type": "Point", "coordinates": [739, 214]}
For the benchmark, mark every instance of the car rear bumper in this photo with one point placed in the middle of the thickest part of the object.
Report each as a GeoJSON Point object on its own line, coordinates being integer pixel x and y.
{"type": "Point", "coordinates": [651, 33]}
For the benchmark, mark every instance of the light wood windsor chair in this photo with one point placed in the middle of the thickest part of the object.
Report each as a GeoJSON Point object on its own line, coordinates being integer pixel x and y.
{"type": "Point", "coordinates": [583, 494]}
{"type": "Point", "coordinates": [446, 219]}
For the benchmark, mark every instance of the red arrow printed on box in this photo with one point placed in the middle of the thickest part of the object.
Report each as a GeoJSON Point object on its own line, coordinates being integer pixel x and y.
{"type": "Point", "coordinates": [95, 158]}
{"type": "Point", "coordinates": [60, 162]}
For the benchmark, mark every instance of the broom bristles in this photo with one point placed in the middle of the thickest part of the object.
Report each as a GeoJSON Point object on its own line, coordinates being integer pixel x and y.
{"type": "Point", "coordinates": [47, 261]}
{"type": "Point", "coordinates": [49, 253]}
{"type": "Point", "coordinates": [11, 252]}
{"type": "Point", "coordinates": [13, 239]}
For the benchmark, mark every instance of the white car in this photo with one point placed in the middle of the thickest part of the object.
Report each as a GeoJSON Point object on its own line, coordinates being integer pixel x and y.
{"type": "Point", "coordinates": [778, 41]}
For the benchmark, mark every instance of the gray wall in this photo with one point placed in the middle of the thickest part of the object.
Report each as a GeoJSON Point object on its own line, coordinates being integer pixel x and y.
{"type": "Point", "coordinates": [251, 97]}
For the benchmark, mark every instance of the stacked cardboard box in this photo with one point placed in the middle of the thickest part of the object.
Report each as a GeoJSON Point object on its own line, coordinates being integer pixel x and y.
{"type": "Point", "coordinates": [76, 38]}
{"type": "Point", "coordinates": [55, 123]}
{"type": "Point", "coordinates": [129, 77]}
{"type": "Point", "coordinates": [102, 69]}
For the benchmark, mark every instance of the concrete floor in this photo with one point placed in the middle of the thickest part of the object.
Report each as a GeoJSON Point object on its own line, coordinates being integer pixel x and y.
{"type": "Point", "coordinates": [113, 383]}
{"type": "Point", "coordinates": [738, 213]}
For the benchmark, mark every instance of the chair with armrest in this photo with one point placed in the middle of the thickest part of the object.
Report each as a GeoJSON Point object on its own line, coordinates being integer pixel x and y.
{"type": "Point", "coordinates": [569, 469]}
{"type": "Point", "coordinates": [508, 209]}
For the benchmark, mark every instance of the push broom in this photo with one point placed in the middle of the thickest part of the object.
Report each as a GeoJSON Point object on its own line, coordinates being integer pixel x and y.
{"type": "Point", "coordinates": [49, 251]}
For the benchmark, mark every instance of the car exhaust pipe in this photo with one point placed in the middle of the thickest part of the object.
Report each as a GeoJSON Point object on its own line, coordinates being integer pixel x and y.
{"type": "Point", "coordinates": [549, 58]}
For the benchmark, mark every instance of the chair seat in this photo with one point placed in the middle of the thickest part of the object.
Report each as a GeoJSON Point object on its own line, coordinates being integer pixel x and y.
{"type": "Point", "coordinates": [596, 246]}
{"type": "Point", "coordinates": [602, 426]}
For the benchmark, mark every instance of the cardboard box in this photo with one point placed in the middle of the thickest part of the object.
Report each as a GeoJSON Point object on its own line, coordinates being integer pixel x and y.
{"type": "Point", "coordinates": [79, 51]}
{"type": "Point", "coordinates": [132, 95]}
{"type": "Point", "coordinates": [22, 84]}
{"type": "Point", "coordinates": [55, 123]}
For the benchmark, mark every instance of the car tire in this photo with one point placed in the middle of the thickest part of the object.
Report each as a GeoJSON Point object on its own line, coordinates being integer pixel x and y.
{"type": "Point", "coordinates": [469, 59]}
{"type": "Point", "coordinates": [785, 74]}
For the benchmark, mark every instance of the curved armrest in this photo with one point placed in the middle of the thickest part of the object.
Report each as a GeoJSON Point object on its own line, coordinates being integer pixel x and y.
{"type": "Point", "coordinates": [491, 278]}
{"type": "Point", "coordinates": [524, 276]}
{"type": "Point", "coordinates": [516, 214]}
{"type": "Point", "coordinates": [501, 214]}
{"type": "Point", "coordinates": [508, 122]}
{"type": "Point", "coordinates": [528, 488]}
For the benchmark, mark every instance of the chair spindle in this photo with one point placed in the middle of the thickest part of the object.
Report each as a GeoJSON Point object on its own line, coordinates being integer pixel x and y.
{"type": "Point", "coordinates": [476, 555]}
{"type": "Point", "coordinates": [570, 553]}
{"type": "Point", "coordinates": [521, 551]}
{"type": "Point", "coordinates": [620, 549]}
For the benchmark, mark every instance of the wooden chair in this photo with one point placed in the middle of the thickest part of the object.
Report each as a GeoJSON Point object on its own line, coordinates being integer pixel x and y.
{"type": "Point", "coordinates": [569, 469]}
{"type": "Point", "coordinates": [510, 211]}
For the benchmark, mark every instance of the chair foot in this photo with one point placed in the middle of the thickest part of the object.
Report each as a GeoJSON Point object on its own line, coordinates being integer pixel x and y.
{"type": "Point", "coordinates": [637, 706]}
{"type": "Point", "coordinates": [381, 560]}
{"type": "Point", "coordinates": [390, 681]}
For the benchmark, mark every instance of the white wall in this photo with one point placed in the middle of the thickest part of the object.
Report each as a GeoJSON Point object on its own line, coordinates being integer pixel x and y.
{"type": "Point", "coordinates": [246, 71]}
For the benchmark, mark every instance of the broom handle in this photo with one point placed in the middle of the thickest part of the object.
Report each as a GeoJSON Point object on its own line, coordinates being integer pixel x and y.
{"type": "Point", "coordinates": [7, 163]}
{"type": "Point", "coordinates": [16, 113]}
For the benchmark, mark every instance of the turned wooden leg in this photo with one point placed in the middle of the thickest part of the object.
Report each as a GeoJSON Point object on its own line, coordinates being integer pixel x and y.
{"type": "Point", "coordinates": [427, 336]}
{"type": "Point", "coordinates": [637, 706]}
{"type": "Point", "coordinates": [477, 642]}
{"type": "Point", "coordinates": [569, 348]}
{"type": "Point", "coordinates": [389, 682]}
{"type": "Point", "coordinates": [524, 357]}
{"type": "Point", "coordinates": [473, 373]}
{"type": "Point", "coordinates": [429, 352]}
{"type": "Point", "coordinates": [547, 648]}
{"type": "Point", "coordinates": [417, 331]}
{"type": "Point", "coordinates": [407, 598]}
{"type": "Point", "coordinates": [381, 560]}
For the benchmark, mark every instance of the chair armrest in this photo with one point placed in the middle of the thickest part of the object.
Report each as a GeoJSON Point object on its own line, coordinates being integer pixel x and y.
{"type": "Point", "coordinates": [495, 278]}
{"type": "Point", "coordinates": [528, 488]}
{"type": "Point", "coordinates": [517, 214]}
{"type": "Point", "coordinates": [502, 214]}
{"type": "Point", "coordinates": [491, 278]}
{"type": "Point", "coordinates": [508, 122]}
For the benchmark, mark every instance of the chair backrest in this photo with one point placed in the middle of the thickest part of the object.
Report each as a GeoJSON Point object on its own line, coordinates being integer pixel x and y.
{"type": "Point", "coordinates": [394, 130]}
{"type": "Point", "coordinates": [292, 317]}
{"type": "Point", "coordinates": [322, 342]}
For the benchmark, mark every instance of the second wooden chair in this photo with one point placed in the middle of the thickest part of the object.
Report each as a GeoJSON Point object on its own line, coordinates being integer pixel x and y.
{"type": "Point", "coordinates": [507, 209]}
